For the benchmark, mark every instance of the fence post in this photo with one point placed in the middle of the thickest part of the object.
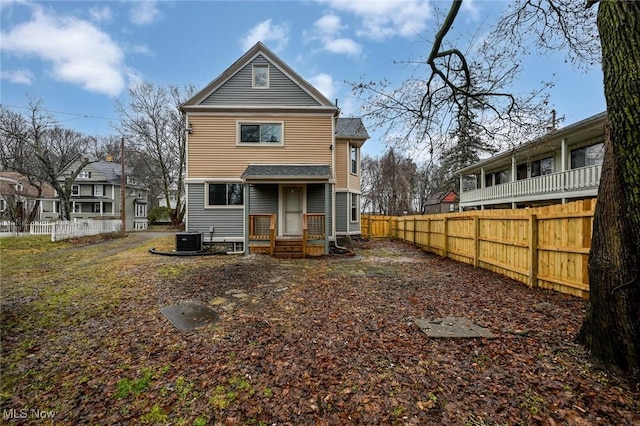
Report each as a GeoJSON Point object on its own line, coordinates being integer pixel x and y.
{"type": "Point", "coordinates": [476, 240]}
{"type": "Point", "coordinates": [445, 247]}
{"type": "Point", "coordinates": [415, 234]}
{"type": "Point", "coordinates": [428, 234]}
{"type": "Point", "coordinates": [533, 251]}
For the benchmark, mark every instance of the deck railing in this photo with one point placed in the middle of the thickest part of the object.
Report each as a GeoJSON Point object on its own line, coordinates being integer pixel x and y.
{"type": "Point", "coordinates": [263, 227]}
{"type": "Point", "coordinates": [561, 183]}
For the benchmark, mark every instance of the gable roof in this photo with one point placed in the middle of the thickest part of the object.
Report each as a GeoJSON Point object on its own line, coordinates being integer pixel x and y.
{"type": "Point", "coordinates": [260, 52]}
{"type": "Point", "coordinates": [351, 127]}
{"type": "Point", "coordinates": [8, 180]}
{"type": "Point", "coordinates": [439, 197]}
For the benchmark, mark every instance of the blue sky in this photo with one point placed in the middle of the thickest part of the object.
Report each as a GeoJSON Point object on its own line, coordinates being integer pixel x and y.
{"type": "Point", "coordinates": [79, 56]}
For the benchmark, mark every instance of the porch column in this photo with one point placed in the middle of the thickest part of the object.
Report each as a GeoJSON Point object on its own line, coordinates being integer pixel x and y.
{"type": "Point", "coordinates": [482, 182]}
{"type": "Point", "coordinates": [327, 215]}
{"type": "Point", "coordinates": [514, 169]}
{"type": "Point", "coordinates": [247, 207]}
{"type": "Point", "coordinates": [563, 155]}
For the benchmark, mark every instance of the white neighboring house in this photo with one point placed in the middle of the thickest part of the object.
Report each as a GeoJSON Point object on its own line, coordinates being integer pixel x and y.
{"type": "Point", "coordinates": [561, 166]}
{"type": "Point", "coordinates": [173, 198]}
{"type": "Point", "coordinates": [95, 194]}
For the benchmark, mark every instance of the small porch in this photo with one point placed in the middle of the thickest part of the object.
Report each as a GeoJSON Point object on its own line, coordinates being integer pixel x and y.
{"type": "Point", "coordinates": [288, 210]}
{"type": "Point", "coordinates": [263, 236]}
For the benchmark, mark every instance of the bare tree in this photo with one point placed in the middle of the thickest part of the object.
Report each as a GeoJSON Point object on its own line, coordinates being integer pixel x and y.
{"type": "Point", "coordinates": [36, 147]}
{"type": "Point", "coordinates": [153, 125]}
{"type": "Point", "coordinates": [611, 329]}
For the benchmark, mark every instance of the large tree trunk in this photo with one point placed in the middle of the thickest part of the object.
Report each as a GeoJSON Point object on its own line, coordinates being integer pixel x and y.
{"type": "Point", "coordinates": [611, 328]}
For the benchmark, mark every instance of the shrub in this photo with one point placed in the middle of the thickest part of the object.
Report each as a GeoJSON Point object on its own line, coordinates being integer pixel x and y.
{"type": "Point", "coordinates": [159, 214]}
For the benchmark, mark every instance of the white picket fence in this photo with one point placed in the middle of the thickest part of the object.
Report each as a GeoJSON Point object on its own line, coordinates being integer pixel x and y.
{"type": "Point", "coordinates": [62, 230]}
{"type": "Point", "coordinates": [82, 228]}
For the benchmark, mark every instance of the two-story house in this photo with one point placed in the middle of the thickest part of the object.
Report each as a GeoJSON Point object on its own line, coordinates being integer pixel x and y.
{"type": "Point", "coordinates": [20, 201]}
{"type": "Point", "coordinates": [271, 167]}
{"type": "Point", "coordinates": [95, 194]}
{"type": "Point", "coordinates": [561, 166]}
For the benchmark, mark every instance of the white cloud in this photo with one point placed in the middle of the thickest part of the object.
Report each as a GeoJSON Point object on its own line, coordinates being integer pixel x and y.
{"type": "Point", "coordinates": [272, 35]}
{"type": "Point", "coordinates": [329, 24]}
{"type": "Point", "coordinates": [144, 12]}
{"type": "Point", "coordinates": [343, 45]}
{"type": "Point", "coordinates": [324, 83]}
{"type": "Point", "coordinates": [327, 30]}
{"type": "Point", "coordinates": [100, 14]}
{"type": "Point", "coordinates": [18, 76]}
{"type": "Point", "coordinates": [472, 8]}
{"type": "Point", "coordinates": [381, 19]}
{"type": "Point", "coordinates": [77, 51]}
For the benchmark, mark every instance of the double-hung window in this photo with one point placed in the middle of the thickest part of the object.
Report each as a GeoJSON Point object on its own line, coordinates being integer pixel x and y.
{"type": "Point", "coordinates": [355, 207]}
{"type": "Point", "coordinates": [354, 160]}
{"type": "Point", "coordinates": [260, 133]}
{"type": "Point", "coordinates": [224, 194]}
{"type": "Point", "coordinates": [75, 190]}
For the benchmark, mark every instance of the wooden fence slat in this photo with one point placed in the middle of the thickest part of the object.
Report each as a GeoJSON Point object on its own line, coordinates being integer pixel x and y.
{"type": "Point", "coordinates": [544, 247]}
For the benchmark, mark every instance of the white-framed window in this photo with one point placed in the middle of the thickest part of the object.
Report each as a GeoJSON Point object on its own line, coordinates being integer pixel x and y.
{"type": "Point", "coordinates": [96, 208]}
{"type": "Point", "coordinates": [75, 190]}
{"type": "Point", "coordinates": [592, 155]}
{"type": "Point", "coordinates": [260, 76]}
{"type": "Point", "coordinates": [224, 194]}
{"type": "Point", "coordinates": [355, 208]}
{"type": "Point", "coordinates": [141, 210]}
{"type": "Point", "coordinates": [77, 207]}
{"type": "Point", "coordinates": [3, 204]}
{"type": "Point", "coordinates": [542, 167]}
{"type": "Point", "coordinates": [354, 160]}
{"type": "Point", "coordinates": [19, 187]}
{"type": "Point", "coordinates": [260, 133]}
{"type": "Point", "coordinates": [98, 190]}
{"type": "Point", "coordinates": [84, 174]}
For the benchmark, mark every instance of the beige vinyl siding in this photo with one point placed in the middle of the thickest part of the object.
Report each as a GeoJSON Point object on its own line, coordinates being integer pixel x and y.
{"type": "Point", "coordinates": [342, 164]}
{"type": "Point", "coordinates": [212, 150]}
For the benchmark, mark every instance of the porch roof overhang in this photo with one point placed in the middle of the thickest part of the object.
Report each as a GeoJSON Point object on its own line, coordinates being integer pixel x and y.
{"type": "Point", "coordinates": [286, 172]}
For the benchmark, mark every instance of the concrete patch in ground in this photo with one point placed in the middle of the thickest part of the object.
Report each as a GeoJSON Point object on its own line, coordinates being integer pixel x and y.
{"type": "Point", "coordinates": [452, 327]}
{"type": "Point", "coordinates": [189, 315]}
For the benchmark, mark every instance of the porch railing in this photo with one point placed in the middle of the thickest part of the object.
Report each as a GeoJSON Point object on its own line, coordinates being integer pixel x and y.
{"type": "Point", "coordinates": [263, 227]}
{"type": "Point", "coordinates": [565, 182]}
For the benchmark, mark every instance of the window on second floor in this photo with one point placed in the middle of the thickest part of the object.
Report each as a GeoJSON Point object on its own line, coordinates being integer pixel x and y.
{"type": "Point", "coordinates": [542, 167]}
{"type": "Point", "coordinates": [354, 160]}
{"type": "Point", "coordinates": [98, 190]}
{"type": "Point", "coordinates": [587, 156]}
{"type": "Point", "coordinates": [501, 177]}
{"type": "Point", "coordinates": [75, 190]}
{"type": "Point", "coordinates": [224, 194]}
{"type": "Point", "coordinates": [260, 133]}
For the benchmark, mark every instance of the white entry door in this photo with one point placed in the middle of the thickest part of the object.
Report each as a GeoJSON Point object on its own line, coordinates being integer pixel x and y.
{"type": "Point", "coordinates": [292, 205]}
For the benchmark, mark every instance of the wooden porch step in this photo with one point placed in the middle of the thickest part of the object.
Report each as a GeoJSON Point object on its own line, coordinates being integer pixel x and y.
{"type": "Point", "coordinates": [288, 248]}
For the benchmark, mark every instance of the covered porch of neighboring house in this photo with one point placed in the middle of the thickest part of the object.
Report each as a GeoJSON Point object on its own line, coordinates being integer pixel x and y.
{"type": "Point", "coordinates": [288, 210]}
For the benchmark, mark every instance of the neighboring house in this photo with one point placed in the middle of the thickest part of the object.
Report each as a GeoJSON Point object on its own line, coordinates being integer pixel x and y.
{"type": "Point", "coordinates": [172, 202]}
{"type": "Point", "coordinates": [18, 198]}
{"type": "Point", "coordinates": [95, 194]}
{"type": "Point", "coordinates": [270, 165]}
{"type": "Point", "coordinates": [442, 202]}
{"type": "Point", "coordinates": [563, 165]}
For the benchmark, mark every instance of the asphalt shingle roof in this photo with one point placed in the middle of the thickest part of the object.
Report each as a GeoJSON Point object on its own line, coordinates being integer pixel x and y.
{"type": "Point", "coordinates": [347, 127]}
{"type": "Point", "coordinates": [280, 171]}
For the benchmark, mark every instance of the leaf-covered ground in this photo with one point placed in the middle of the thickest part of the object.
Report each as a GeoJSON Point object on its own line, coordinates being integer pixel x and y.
{"type": "Point", "coordinates": [311, 341]}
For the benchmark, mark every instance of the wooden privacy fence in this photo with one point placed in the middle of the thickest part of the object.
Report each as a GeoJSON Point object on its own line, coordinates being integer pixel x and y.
{"type": "Point", "coordinates": [545, 247]}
